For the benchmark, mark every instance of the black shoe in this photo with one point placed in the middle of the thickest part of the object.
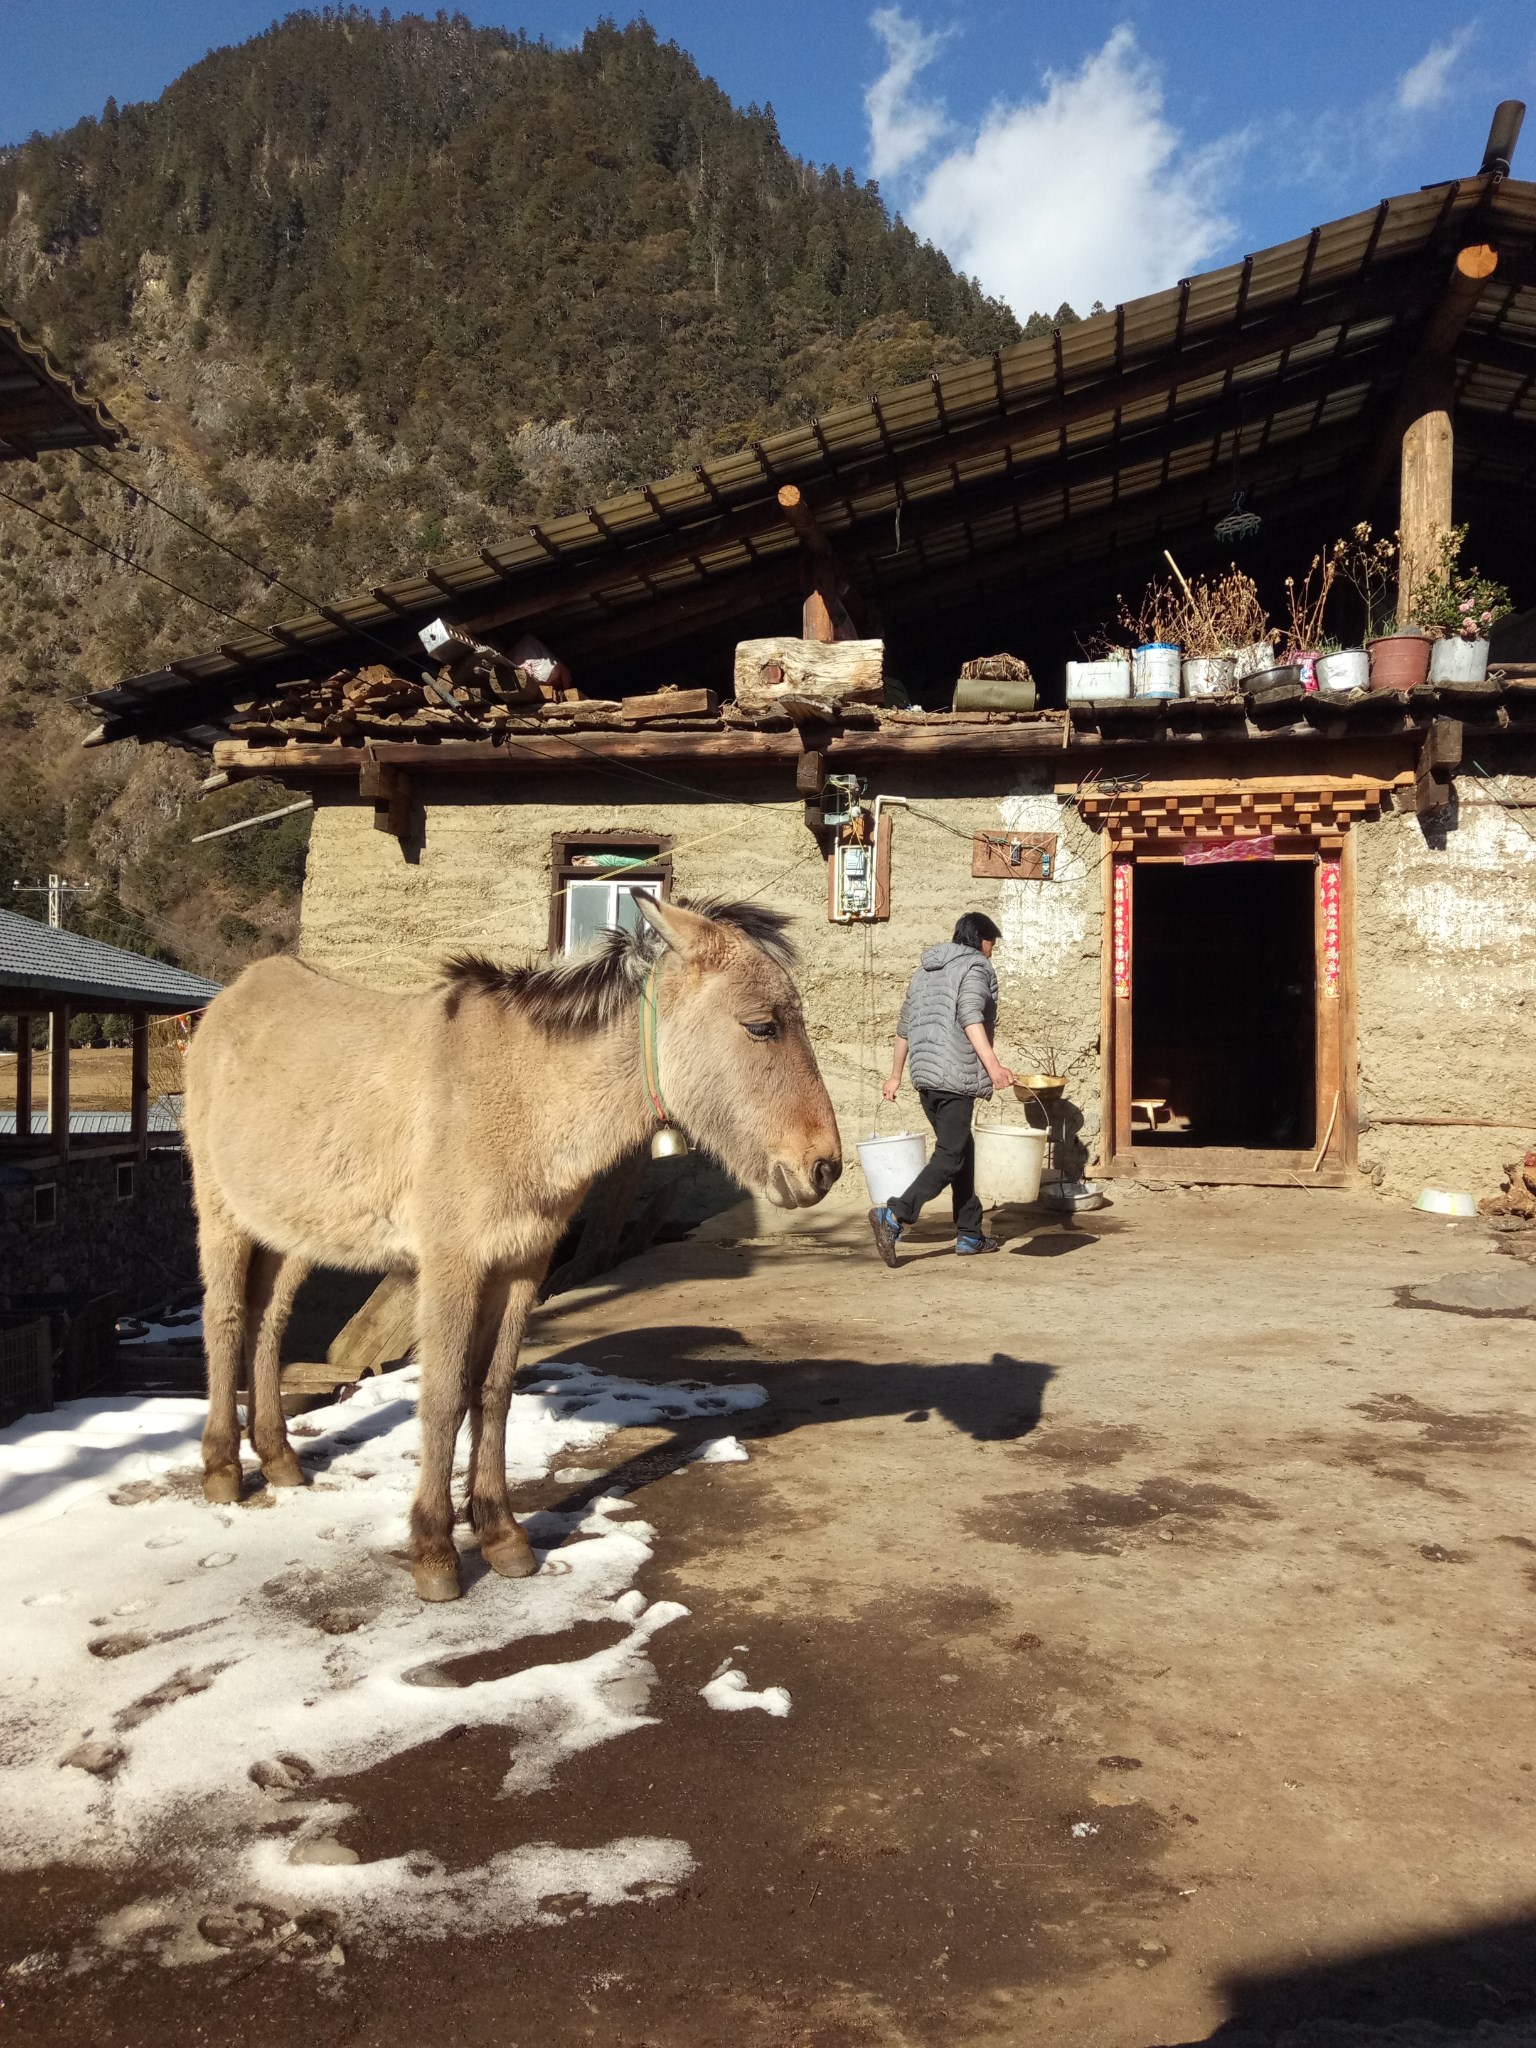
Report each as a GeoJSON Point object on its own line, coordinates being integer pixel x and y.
{"type": "Point", "coordinates": [969, 1242]}
{"type": "Point", "coordinates": [887, 1233]}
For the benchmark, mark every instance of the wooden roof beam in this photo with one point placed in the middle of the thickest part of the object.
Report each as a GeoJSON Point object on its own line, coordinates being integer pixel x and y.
{"type": "Point", "coordinates": [824, 615]}
{"type": "Point", "coordinates": [1417, 436]}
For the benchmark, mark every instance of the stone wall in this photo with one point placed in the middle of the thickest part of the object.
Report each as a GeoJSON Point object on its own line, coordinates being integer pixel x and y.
{"type": "Point", "coordinates": [143, 1248]}
{"type": "Point", "coordinates": [479, 877]}
{"type": "Point", "coordinates": [1446, 951]}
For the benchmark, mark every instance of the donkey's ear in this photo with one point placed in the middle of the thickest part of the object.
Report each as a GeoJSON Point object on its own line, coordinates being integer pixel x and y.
{"type": "Point", "coordinates": [690, 936]}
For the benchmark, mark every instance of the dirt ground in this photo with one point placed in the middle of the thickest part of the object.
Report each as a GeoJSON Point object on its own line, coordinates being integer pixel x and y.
{"type": "Point", "coordinates": [1156, 1601]}
{"type": "Point", "coordinates": [100, 1077]}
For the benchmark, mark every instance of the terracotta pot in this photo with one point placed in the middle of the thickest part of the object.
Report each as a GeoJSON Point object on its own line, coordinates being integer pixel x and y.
{"type": "Point", "coordinates": [1399, 661]}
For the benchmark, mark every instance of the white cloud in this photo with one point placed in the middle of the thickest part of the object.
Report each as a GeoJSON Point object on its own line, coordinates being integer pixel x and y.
{"type": "Point", "coordinates": [1085, 192]}
{"type": "Point", "coordinates": [1423, 85]}
{"type": "Point", "coordinates": [902, 128]}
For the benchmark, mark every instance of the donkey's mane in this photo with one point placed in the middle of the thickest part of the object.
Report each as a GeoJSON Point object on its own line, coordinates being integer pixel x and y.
{"type": "Point", "coordinates": [595, 987]}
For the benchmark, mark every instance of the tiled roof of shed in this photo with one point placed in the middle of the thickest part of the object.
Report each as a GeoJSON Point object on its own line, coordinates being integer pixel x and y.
{"type": "Point", "coordinates": [39, 959]}
{"type": "Point", "coordinates": [41, 408]}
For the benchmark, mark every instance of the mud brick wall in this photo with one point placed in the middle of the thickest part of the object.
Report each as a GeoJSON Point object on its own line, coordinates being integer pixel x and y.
{"type": "Point", "coordinates": [478, 875]}
{"type": "Point", "coordinates": [1446, 952]}
{"type": "Point", "coordinates": [142, 1248]}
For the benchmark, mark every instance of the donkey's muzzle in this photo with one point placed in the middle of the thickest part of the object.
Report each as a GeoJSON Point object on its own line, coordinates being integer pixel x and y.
{"type": "Point", "coordinates": [824, 1174]}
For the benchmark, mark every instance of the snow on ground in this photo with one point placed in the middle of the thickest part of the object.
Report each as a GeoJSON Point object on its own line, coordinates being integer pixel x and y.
{"type": "Point", "coordinates": [178, 1676]}
{"type": "Point", "coordinates": [184, 1328]}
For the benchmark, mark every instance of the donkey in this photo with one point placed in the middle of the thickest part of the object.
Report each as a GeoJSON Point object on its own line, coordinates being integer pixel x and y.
{"type": "Point", "coordinates": [453, 1134]}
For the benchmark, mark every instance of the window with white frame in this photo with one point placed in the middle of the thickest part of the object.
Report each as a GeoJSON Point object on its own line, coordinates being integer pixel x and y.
{"type": "Point", "coordinates": [596, 881]}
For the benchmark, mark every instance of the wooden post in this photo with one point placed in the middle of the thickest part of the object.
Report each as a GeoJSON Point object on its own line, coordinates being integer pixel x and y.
{"type": "Point", "coordinates": [24, 1075]}
{"type": "Point", "coordinates": [58, 1077]}
{"type": "Point", "coordinates": [138, 1119]}
{"type": "Point", "coordinates": [1120, 939]}
{"type": "Point", "coordinates": [1424, 492]}
{"type": "Point", "coordinates": [819, 617]}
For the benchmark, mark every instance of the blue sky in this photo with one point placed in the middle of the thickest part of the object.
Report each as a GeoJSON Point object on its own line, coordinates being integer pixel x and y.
{"type": "Point", "coordinates": [1087, 152]}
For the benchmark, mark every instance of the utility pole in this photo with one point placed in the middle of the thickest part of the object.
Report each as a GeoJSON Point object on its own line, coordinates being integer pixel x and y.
{"type": "Point", "coordinates": [55, 889]}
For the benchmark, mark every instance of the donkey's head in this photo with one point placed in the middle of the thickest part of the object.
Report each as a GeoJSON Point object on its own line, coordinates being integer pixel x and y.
{"type": "Point", "coordinates": [736, 1067]}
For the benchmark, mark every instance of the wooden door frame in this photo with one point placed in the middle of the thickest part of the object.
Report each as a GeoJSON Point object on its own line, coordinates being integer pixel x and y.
{"type": "Point", "coordinates": [1332, 1157]}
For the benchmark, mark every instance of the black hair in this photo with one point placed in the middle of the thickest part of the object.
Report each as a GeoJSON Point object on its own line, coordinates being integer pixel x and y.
{"type": "Point", "coordinates": [973, 928]}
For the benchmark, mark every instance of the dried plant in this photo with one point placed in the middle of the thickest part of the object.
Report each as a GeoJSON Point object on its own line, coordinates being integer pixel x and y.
{"type": "Point", "coordinates": [1222, 614]}
{"type": "Point", "coordinates": [1368, 563]}
{"type": "Point", "coordinates": [1307, 601]}
{"type": "Point", "coordinates": [1158, 618]}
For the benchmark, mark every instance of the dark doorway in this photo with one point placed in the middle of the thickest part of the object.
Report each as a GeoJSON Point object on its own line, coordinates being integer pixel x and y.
{"type": "Point", "coordinates": [1223, 1004]}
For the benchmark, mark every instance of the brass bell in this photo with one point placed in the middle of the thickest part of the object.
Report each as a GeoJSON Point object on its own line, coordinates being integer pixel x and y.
{"type": "Point", "coordinates": [669, 1143]}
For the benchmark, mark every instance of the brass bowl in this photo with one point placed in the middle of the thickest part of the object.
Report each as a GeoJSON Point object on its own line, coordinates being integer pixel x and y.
{"type": "Point", "coordinates": [1026, 1085]}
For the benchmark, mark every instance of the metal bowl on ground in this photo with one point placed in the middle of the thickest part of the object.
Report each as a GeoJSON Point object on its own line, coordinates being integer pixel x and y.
{"type": "Point", "coordinates": [1446, 1202]}
{"type": "Point", "coordinates": [1073, 1195]}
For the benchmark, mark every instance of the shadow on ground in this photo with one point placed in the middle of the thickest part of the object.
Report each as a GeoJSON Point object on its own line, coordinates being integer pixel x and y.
{"type": "Point", "coordinates": [1475, 1987]}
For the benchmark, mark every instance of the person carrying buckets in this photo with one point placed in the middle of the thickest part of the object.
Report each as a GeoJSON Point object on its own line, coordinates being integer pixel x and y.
{"type": "Point", "coordinates": [945, 1032]}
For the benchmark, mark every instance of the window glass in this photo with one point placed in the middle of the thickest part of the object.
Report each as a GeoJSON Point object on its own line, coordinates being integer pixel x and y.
{"type": "Point", "coordinates": [595, 907]}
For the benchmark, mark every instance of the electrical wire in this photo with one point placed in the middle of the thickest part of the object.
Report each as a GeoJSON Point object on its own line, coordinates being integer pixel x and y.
{"type": "Point", "coordinates": [78, 533]}
{"type": "Point", "coordinates": [268, 576]}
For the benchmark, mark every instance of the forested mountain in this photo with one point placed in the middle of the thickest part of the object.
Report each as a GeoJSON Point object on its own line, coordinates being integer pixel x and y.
{"type": "Point", "coordinates": [366, 291]}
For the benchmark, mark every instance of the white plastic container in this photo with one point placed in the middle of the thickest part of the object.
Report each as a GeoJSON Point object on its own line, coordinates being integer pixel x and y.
{"type": "Point", "coordinates": [1098, 682]}
{"type": "Point", "coordinates": [1253, 659]}
{"type": "Point", "coordinates": [1008, 1163]}
{"type": "Point", "coordinates": [1349, 670]}
{"type": "Point", "coordinates": [891, 1164]}
{"type": "Point", "coordinates": [1458, 661]}
{"type": "Point", "coordinates": [1210, 675]}
{"type": "Point", "coordinates": [1155, 670]}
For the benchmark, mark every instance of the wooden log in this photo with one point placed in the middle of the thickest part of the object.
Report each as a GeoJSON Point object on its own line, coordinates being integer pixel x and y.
{"type": "Point", "coordinates": [383, 1330]}
{"type": "Point", "coordinates": [671, 704]}
{"type": "Point", "coordinates": [24, 1075]}
{"type": "Point", "coordinates": [844, 671]}
{"type": "Point", "coordinates": [58, 1080]}
{"type": "Point", "coordinates": [1424, 505]}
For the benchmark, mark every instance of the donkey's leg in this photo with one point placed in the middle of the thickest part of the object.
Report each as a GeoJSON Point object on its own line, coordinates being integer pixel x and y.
{"type": "Point", "coordinates": [274, 1281]}
{"type": "Point", "coordinates": [447, 1302]}
{"type": "Point", "coordinates": [502, 1543]}
{"type": "Point", "coordinates": [493, 1301]}
{"type": "Point", "coordinates": [224, 1252]}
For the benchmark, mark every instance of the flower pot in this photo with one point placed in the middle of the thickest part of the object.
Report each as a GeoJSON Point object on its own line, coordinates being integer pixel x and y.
{"type": "Point", "coordinates": [1155, 670]}
{"type": "Point", "coordinates": [1347, 670]}
{"type": "Point", "coordinates": [1098, 682]}
{"type": "Point", "coordinates": [1458, 661]}
{"type": "Point", "coordinates": [1257, 655]}
{"type": "Point", "coordinates": [1209, 675]}
{"type": "Point", "coordinates": [1399, 661]}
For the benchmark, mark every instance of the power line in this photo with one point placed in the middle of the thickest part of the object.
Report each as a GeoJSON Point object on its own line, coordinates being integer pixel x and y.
{"type": "Point", "coordinates": [77, 533]}
{"type": "Point", "coordinates": [268, 576]}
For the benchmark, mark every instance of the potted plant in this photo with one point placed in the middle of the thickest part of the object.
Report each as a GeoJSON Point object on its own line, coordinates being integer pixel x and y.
{"type": "Point", "coordinates": [1311, 650]}
{"type": "Point", "coordinates": [1223, 630]}
{"type": "Point", "coordinates": [1398, 656]}
{"type": "Point", "coordinates": [1458, 606]}
{"type": "Point", "coordinates": [1154, 628]}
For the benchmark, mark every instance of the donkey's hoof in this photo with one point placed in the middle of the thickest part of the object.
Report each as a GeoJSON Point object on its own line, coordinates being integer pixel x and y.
{"type": "Point", "coordinates": [511, 1556]}
{"type": "Point", "coordinates": [436, 1581]}
{"type": "Point", "coordinates": [221, 1484]}
{"type": "Point", "coordinates": [284, 1469]}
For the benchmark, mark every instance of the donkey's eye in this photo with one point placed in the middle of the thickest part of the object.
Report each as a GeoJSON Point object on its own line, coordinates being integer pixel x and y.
{"type": "Point", "coordinates": [762, 1031]}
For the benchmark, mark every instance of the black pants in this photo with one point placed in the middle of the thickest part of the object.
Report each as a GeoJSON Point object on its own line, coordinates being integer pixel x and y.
{"type": "Point", "coordinates": [952, 1166]}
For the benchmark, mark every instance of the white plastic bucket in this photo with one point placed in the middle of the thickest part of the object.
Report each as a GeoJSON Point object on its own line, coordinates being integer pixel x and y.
{"type": "Point", "coordinates": [1349, 670]}
{"type": "Point", "coordinates": [1155, 670]}
{"type": "Point", "coordinates": [1458, 661]}
{"type": "Point", "coordinates": [1209, 675]}
{"type": "Point", "coordinates": [1098, 682]}
{"type": "Point", "coordinates": [891, 1164]}
{"type": "Point", "coordinates": [1008, 1163]}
